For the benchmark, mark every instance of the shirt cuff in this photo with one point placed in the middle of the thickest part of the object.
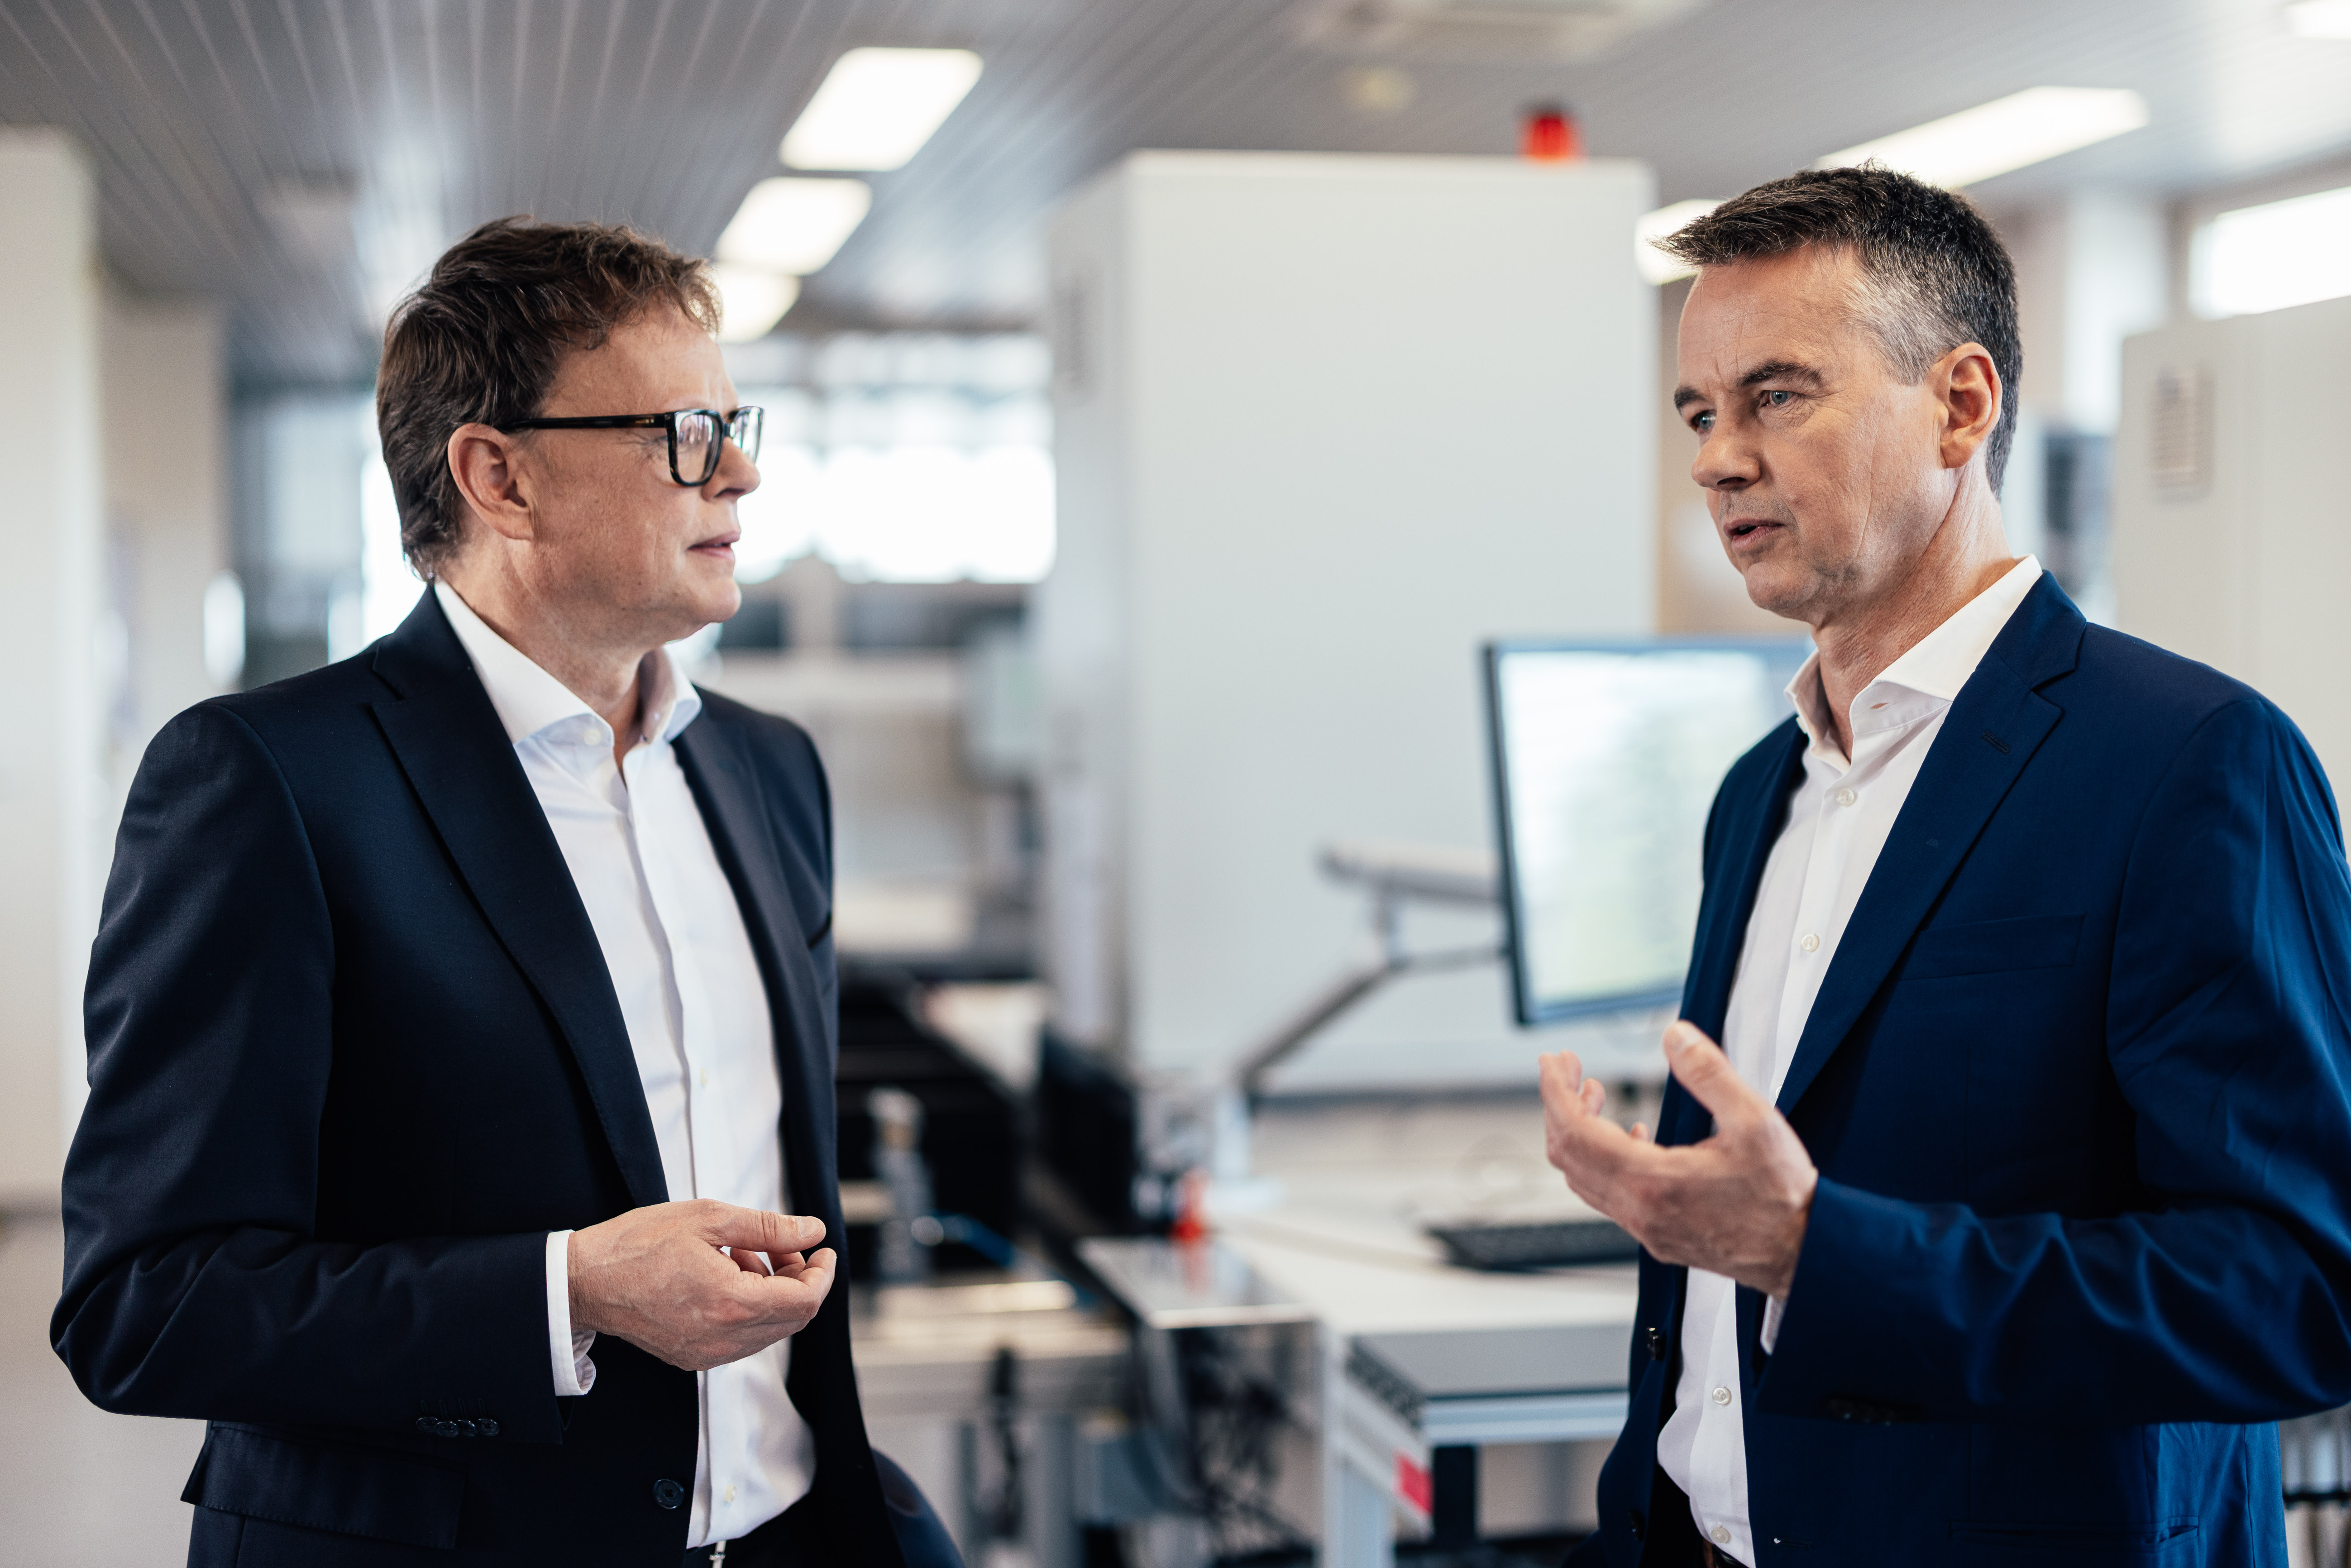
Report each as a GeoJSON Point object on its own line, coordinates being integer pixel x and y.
{"type": "Point", "coordinates": [1774, 1309]}
{"type": "Point", "coordinates": [574, 1373]}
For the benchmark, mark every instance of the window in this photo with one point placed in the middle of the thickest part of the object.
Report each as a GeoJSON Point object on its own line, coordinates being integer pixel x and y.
{"type": "Point", "coordinates": [901, 457]}
{"type": "Point", "coordinates": [2272, 256]}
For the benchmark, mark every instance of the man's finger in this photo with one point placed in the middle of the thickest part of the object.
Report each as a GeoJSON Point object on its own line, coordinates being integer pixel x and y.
{"type": "Point", "coordinates": [1561, 1077]}
{"type": "Point", "coordinates": [761, 1230]}
{"type": "Point", "coordinates": [1707, 1074]}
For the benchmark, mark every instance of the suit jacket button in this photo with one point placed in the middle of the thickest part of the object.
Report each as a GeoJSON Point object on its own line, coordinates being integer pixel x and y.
{"type": "Point", "coordinates": [424, 1424]}
{"type": "Point", "coordinates": [668, 1493]}
{"type": "Point", "coordinates": [1657, 1342]}
{"type": "Point", "coordinates": [486, 1428]}
{"type": "Point", "coordinates": [464, 1429]}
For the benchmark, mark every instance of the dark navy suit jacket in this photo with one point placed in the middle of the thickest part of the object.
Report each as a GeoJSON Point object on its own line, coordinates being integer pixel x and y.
{"type": "Point", "coordinates": [353, 1051]}
{"type": "Point", "coordinates": [2076, 1088]}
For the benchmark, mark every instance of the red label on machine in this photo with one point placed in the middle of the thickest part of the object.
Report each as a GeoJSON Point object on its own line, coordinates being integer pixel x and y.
{"type": "Point", "coordinates": [1413, 1484]}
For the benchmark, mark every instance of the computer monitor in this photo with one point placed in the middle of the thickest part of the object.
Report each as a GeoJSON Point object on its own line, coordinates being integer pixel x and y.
{"type": "Point", "coordinates": [1606, 757]}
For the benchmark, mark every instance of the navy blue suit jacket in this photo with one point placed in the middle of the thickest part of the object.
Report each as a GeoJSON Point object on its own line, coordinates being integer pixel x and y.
{"type": "Point", "coordinates": [353, 1051]}
{"type": "Point", "coordinates": [2076, 1088]}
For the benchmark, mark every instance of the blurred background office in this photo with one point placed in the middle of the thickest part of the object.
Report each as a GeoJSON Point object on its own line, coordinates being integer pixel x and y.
{"type": "Point", "coordinates": [1167, 401]}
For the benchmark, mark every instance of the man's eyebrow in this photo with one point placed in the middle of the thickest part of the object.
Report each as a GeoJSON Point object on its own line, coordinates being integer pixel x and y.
{"type": "Point", "coordinates": [1769, 370]}
{"type": "Point", "coordinates": [1780, 371]}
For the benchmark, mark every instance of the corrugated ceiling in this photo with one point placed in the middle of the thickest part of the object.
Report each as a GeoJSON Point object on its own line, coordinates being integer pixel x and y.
{"type": "Point", "coordinates": [231, 136]}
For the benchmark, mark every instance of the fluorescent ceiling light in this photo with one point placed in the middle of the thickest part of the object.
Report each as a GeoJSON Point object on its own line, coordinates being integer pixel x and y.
{"type": "Point", "coordinates": [1655, 264]}
{"type": "Point", "coordinates": [2005, 134]}
{"type": "Point", "coordinates": [877, 106]}
{"type": "Point", "coordinates": [2319, 18]}
{"type": "Point", "coordinates": [794, 225]}
{"type": "Point", "coordinates": [751, 301]}
{"type": "Point", "coordinates": [2276, 254]}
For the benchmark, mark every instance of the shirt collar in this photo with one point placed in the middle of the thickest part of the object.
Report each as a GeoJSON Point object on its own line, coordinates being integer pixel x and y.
{"type": "Point", "coordinates": [529, 701]}
{"type": "Point", "coordinates": [1934, 669]}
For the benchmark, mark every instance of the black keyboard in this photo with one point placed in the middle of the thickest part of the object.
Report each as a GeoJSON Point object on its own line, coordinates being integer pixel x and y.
{"type": "Point", "coordinates": [1551, 1245]}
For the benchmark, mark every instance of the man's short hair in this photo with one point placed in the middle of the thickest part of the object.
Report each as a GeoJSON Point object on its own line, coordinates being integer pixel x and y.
{"type": "Point", "coordinates": [1934, 275]}
{"type": "Point", "coordinates": [481, 341]}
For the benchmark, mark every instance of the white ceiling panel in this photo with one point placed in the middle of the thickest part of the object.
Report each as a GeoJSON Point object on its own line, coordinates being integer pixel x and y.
{"type": "Point", "coordinates": [231, 136]}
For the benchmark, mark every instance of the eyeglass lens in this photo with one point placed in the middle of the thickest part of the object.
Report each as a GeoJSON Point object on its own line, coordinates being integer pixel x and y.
{"type": "Point", "coordinates": [698, 442]}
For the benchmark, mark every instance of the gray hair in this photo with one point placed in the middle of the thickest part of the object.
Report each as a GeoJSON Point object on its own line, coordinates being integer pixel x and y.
{"type": "Point", "coordinates": [1933, 274]}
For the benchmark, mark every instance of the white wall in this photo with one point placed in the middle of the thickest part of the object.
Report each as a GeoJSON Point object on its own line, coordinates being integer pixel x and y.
{"type": "Point", "coordinates": [2240, 561]}
{"type": "Point", "coordinates": [1325, 425]}
{"type": "Point", "coordinates": [51, 781]}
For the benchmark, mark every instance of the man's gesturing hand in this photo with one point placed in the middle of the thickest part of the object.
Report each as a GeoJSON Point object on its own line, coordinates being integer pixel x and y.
{"type": "Point", "coordinates": [1735, 1204]}
{"type": "Point", "coordinates": [655, 1277]}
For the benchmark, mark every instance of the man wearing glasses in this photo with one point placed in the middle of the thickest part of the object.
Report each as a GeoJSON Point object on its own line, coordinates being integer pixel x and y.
{"type": "Point", "coordinates": [463, 1019]}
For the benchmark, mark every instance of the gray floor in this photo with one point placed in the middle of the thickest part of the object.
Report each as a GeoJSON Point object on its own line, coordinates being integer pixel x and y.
{"type": "Point", "coordinates": [77, 1485]}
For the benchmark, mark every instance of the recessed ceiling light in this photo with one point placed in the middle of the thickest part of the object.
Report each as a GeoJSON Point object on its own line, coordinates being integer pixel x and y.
{"type": "Point", "coordinates": [794, 225]}
{"type": "Point", "coordinates": [2319, 18]}
{"type": "Point", "coordinates": [877, 106]}
{"type": "Point", "coordinates": [751, 300]}
{"type": "Point", "coordinates": [2005, 134]}
{"type": "Point", "coordinates": [1656, 265]}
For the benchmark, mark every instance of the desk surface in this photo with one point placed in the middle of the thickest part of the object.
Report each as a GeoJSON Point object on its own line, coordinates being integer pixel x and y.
{"type": "Point", "coordinates": [1351, 1187]}
{"type": "Point", "coordinates": [927, 1350]}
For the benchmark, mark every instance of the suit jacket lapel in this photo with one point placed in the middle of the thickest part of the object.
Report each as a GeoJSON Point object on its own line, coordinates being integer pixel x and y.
{"type": "Point", "coordinates": [1994, 726]}
{"type": "Point", "coordinates": [1749, 827]}
{"type": "Point", "coordinates": [458, 760]}
{"type": "Point", "coordinates": [728, 791]}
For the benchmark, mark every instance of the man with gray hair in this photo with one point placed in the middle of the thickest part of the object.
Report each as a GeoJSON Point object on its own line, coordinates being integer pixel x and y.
{"type": "Point", "coordinates": [2009, 1209]}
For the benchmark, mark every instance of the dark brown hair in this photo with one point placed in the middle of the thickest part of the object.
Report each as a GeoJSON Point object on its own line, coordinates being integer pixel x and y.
{"type": "Point", "coordinates": [481, 341]}
{"type": "Point", "coordinates": [1934, 275]}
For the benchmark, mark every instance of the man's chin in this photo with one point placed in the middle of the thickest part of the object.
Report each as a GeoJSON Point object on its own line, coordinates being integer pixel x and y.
{"type": "Point", "coordinates": [1784, 593]}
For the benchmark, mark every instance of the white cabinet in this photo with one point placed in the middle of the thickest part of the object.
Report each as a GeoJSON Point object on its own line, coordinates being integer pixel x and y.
{"type": "Point", "coordinates": [2227, 546]}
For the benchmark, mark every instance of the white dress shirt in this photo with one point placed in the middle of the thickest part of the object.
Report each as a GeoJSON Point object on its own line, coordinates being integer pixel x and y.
{"type": "Point", "coordinates": [1838, 821]}
{"type": "Point", "coordinates": [681, 961]}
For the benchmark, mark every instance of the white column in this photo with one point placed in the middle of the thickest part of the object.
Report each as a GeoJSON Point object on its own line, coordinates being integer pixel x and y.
{"type": "Point", "coordinates": [2092, 267]}
{"type": "Point", "coordinates": [51, 788]}
{"type": "Point", "coordinates": [161, 370]}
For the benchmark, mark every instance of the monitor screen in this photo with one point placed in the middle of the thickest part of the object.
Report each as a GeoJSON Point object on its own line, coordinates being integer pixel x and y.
{"type": "Point", "coordinates": [1606, 757]}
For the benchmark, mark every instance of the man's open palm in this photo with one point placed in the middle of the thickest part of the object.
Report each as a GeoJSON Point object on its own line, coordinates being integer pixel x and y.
{"type": "Point", "coordinates": [1734, 1203]}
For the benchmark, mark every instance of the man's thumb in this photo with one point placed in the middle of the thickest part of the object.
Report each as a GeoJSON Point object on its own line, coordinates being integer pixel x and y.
{"type": "Point", "coordinates": [1704, 1070]}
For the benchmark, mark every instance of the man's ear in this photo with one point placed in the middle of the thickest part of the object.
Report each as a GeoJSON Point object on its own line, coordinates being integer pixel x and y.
{"type": "Point", "coordinates": [1967, 385]}
{"type": "Point", "coordinates": [487, 465]}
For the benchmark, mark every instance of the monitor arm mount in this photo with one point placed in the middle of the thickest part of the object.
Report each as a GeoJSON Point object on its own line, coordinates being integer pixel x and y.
{"type": "Point", "coordinates": [1394, 875]}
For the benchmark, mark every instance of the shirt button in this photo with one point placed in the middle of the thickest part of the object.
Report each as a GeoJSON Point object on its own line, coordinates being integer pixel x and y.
{"type": "Point", "coordinates": [1721, 1533]}
{"type": "Point", "coordinates": [1846, 796]}
{"type": "Point", "coordinates": [1722, 1397]}
{"type": "Point", "coordinates": [703, 1074]}
{"type": "Point", "coordinates": [1810, 943]}
{"type": "Point", "coordinates": [730, 1494]}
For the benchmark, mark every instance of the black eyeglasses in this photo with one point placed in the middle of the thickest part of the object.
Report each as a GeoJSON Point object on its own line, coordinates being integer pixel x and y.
{"type": "Point", "coordinates": [696, 435]}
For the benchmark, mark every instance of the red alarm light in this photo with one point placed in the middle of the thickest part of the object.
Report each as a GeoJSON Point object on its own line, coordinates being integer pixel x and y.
{"type": "Point", "coordinates": [1549, 135]}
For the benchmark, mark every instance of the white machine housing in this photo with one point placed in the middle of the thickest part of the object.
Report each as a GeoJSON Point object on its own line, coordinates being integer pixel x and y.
{"type": "Point", "coordinates": [1323, 425]}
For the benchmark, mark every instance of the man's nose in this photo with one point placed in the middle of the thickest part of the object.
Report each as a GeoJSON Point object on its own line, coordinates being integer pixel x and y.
{"type": "Point", "coordinates": [1724, 462]}
{"type": "Point", "coordinates": [735, 474]}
